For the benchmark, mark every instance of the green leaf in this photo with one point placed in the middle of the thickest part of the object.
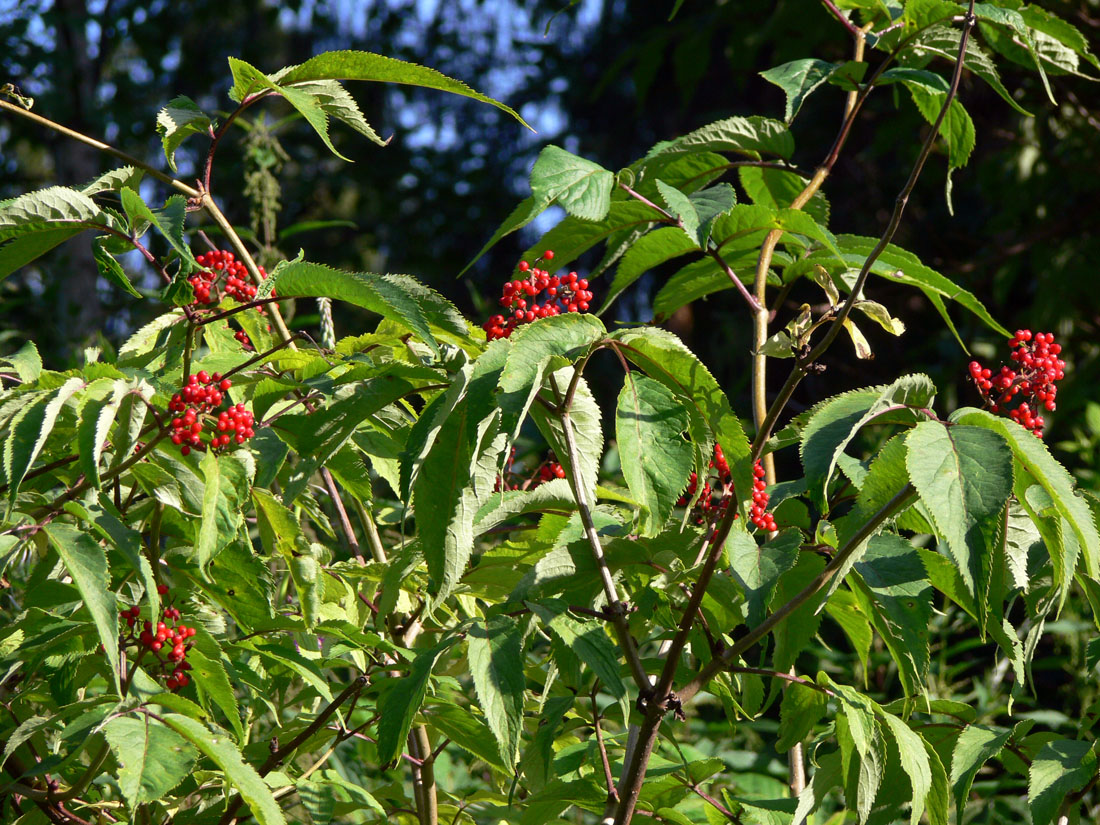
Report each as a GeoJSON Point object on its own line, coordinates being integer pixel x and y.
{"type": "Point", "coordinates": [110, 269]}
{"type": "Point", "coordinates": [540, 348]}
{"type": "Point", "coordinates": [506, 504]}
{"type": "Point", "coordinates": [323, 433]}
{"type": "Point", "coordinates": [777, 189]}
{"type": "Point", "coordinates": [399, 298]}
{"type": "Point", "coordinates": [835, 422]}
{"type": "Point", "coordinates": [1032, 454]}
{"type": "Point", "coordinates": [752, 136]}
{"type": "Point", "coordinates": [664, 358]}
{"type": "Point", "coordinates": [30, 431]}
{"type": "Point", "coordinates": [587, 432]}
{"type": "Point", "coordinates": [221, 499]}
{"type": "Point", "coordinates": [799, 78]}
{"type": "Point", "coordinates": [356, 65]}
{"type": "Point", "coordinates": [573, 236]}
{"type": "Point", "coordinates": [401, 701]}
{"type": "Point", "coordinates": [247, 79]}
{"type": "Point", "coordinates": [445, 500]}
{"type": "Point", "coordinates": [217, 745]}
{"type": "Point", "coordinates": [976, 745]}
{"type": "Point", "coordinates": [900, 604]}
{"type": "Point", "coordinates": [495, 654]}
{"type": "Point", "coordinates": [903, 267]}
{"type": "Point", "coordinates": [152, 758]}
{"type": "Point", "coordinates": [680, 205]}
{"type": "Point", "coordinates": [914, 761]}
{"type": "Point", "coordinates": [467, 731]}
{"type": "Point", "coordinates": [929, 90]}
{"type": "Point", "coordinates": [22, 250]}
{"type": "Point", "coordinates": [656, 458]}
{"type": "Point", "coordinates": [114, 180]}
{"type": "Point", "coordinates": [963, 474]}
{"type": "Point", "coordinates": [100, 405]}
{"type": "Point", "coordinates": [588, 640]}
{"type": "Point", "coordinates": [757, 567]}
{"type": "Point", "coordinates": [800, 710]}
{"type": "Point", "coordinates": [176, 122]}
{"type": "Point", "coordinates": [210, 677]}
{"type": "Point", "coordinates": [335, 101]}
{"type": "Point", "coordinates": [26, 362]}
{"type": "Point", "coordinates": [87, 564]}
{"type": "Point", "coordinates": [527, 210]}
{"type": "Point", "coordinates": [579, 186]}
{"type": "Point", "coordinates": [1061, 768]}
{"type": "Point", "coordinates": [168, 221]}
{"type": "Point", "coordinates": [652, 249]}
{"type": "Point", "coordinates": [48, 209]}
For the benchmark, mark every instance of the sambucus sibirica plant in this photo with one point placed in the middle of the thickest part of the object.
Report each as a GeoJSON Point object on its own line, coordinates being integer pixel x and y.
{"type": "Point", "coordinates": [386, 619]}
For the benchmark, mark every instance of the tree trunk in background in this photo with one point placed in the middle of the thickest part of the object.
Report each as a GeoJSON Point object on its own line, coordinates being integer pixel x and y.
{"type": "Point", "coordinates": [76, 164]}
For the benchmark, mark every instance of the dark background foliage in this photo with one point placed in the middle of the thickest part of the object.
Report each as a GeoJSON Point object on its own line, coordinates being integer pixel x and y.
{"type": "Point", "coordinates": [603, 78]}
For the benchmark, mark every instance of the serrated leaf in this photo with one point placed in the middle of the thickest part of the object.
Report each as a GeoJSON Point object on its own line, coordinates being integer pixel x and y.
{"type": "Point", "coordinates": [110, 269]}
{"type": "Point", "coordinates": [397, 297]}
{"type": "Point", "coordinates": [114, 180]}
{"type": "Point", "coordinates": [400, 703]}
{"type": "Point", "coordinates": [976, 745]}
{"type": "Point", "coordinates": [223, 480]}
{"type": "Point", "coordinates": [29, 433]}
{"type": "Point", "coordinates": [357, 65]}
{"type": "Point", "coordinates": [335, 101]}
{"type": "Point", "coordinates": [22, 250]}
{"type": "Point", "coordinates": [579, 186]}
{"type": "Point", "coordinates": [48, 210]}
{"type": "Point", "coordinates": [1033, 456]}
{"type": "Point", "coordinates": [585, 418]}
{"type": "Point", "coordinates": [1061, 767]}
{"type": "Point", "coordinates": [903, 267]}
{"type": "Point", "coordinates": [777, 189]}
{"type": "Point", "coordinates": [802, 708]}
{"type": "Point", "coordinates": [588, 640]}
{"type": "Point", "coordinates": [26, 362]}
{"type": "Point", "coordinates": [97, 413]}
{"type": "Point", "coordinates": [664, 358]}
{"type": "Point", "coordinates": [798, 79]}
{"type": "Point", "coordinates": [152, 758]}
{"type": "Point", "coordinates": [495, 655]}
{"type": "Point", "coordinates": [177, 121]}
{"type": "Point", "coordinates": [757, 567]}
{"type": "Point", "coordinates": [168, 221]}
{"type": "Point", "coordinates": [914, 761]}
{"type": "Point", "coordinates": [656, 458]}
{"type": "Point", "coordinates": [963, 474]}
{"type": "Point", "coordinates": [681, 206]}
{"type": "Point", "coordinates": [86, 562]}
{"type": "Point", "coordinates": [466, 730]}
{"type": "Point", "coordinates": [217, 745]}
{"type": "Point", "coordinates": [501, 506]}
{"type": "Point", "coordinates": [750, 136]}
{"type": "Point", "coordinates": [929, 90]}
{"type": "Point", "coordinates": [210, 677]}
{"type": "Point", "coordinates": [901, 604]}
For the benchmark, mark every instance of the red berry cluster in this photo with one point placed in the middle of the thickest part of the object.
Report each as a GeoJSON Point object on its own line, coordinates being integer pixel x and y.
{"type": "Point", "coordinates": [551, 470]}
{"type": "Point", "coordinates": [511, 480]}
{"type": "Point", "coordinates": [714, 499]}
{"type": "Point", "coordinates": [520, 298]}
{"type": "Point", "coordinates": [162, 637]}
{"type": "Point", "coordinates": [1032, 383]}
{"type": "Point", "coordinates": [218, 263]}
{"type": "Point", "coordinates": [196, 403]}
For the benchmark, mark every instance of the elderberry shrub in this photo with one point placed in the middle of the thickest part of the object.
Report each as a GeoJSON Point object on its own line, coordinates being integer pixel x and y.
{"type": "Point", "coordinates": [520, 298]}
{"type": "Point", "coordinates": [1031, 387]}
{"type": "Point", "coordinates": [715, 495]}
